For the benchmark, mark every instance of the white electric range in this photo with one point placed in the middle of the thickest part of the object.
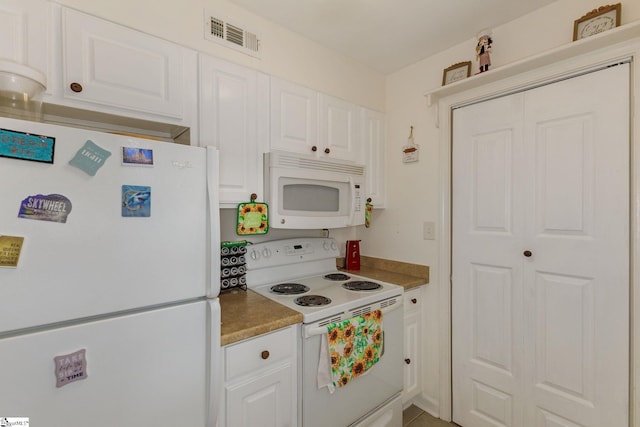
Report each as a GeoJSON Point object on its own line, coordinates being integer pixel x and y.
{"type": "Point", "coordinates": [301, 274]}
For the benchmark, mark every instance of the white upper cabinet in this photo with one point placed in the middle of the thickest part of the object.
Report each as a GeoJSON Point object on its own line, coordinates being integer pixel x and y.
{"type": "Point", "coordinates": [114, 69]}
{"type": "Point", "coordinates": [294, 117]}
{"type": "Point", "coordinates": [338, 129]}
{"type": "Point", "coordinates": [373, 141]}
{"type": "Point", "coordinates": [24, 33]}
{"type": "Point", "coordinates": [308, 122]}
{"type": "Point", "coordinates": [228, 120]}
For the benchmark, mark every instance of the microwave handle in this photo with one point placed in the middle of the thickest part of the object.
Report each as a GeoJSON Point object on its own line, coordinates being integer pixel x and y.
{"type": "Point", "coordinates": [353, 202]}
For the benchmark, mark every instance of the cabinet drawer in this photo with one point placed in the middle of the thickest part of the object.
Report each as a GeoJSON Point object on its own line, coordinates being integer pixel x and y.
{"type": "Point", "coordinates": [413, 299]}
{"type": "Point", "coordinates": [258, 352]}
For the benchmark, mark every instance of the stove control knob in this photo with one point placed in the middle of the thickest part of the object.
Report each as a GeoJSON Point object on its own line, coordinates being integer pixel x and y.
{"type": "Point", "coordinates": [326, 246]}
{"type": "Point", "coordinates": [266, 252]}
{"type": "Point", "coordinates": [254, 255]}
{"type": "Point", "coordinates": [334, 245]}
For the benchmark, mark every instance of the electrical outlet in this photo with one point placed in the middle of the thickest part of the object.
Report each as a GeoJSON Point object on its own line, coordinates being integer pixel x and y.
{"type": "Point", "coordinates": [429, 230]}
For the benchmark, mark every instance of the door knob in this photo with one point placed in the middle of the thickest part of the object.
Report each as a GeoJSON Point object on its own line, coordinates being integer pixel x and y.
{"type": "Point", "coordinates": [76, 87]}
{"type": "Point", "coordinates": [265, 354]}
{"type": "Point", "coordinates": [326, 150]}
{"type": "Point", "coordinates": [527, 253]}
{"type": "Point", "coordinates": [407, 361]}
{"type": "Point", "coordinates": [314, 148]}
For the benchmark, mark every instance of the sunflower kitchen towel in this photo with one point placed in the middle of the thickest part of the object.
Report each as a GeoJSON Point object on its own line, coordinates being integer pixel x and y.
{"type": "Point", "coordinates": [349, 349]}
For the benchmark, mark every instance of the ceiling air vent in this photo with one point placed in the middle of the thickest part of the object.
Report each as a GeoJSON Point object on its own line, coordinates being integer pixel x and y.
{"type": "Point", "coordinates": [231, 35]}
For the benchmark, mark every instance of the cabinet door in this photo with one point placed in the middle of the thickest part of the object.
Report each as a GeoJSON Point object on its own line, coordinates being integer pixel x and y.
{"type": "Point", "coordinates": [228, 120]}
{"type": "Point", "coordinates": [412, 342]}
{"type": "Point", "coordinates": [261, 381]}
{"type": "Point", "coordinates": [265, 401]}
{"type": "Point", "coordinates": [339, 129]}
{"type": "Point", "coordinates": [24, 27]}
{"type": "Point", "coordinates": [120, 70]}
{"type": "Point", "coordinates": [294, 117]}
{"type": "Point", "coordinates": [374, 148]}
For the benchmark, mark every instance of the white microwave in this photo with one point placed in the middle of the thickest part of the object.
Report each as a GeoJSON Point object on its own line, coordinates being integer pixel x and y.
{"type": "Point", "coordinates": [305, 192]}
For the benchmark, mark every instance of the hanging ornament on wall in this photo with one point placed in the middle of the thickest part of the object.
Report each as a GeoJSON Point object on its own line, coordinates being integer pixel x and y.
{"type": "Point", "coordinates": [411, 150]}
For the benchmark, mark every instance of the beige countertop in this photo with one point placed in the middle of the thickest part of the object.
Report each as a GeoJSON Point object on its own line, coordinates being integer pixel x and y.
{"type": "Point", "coordinates": [246, 314]}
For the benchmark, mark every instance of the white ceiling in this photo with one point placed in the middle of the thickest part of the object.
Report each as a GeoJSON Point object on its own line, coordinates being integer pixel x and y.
{"type": "Point", "coordinates": [387, 35]}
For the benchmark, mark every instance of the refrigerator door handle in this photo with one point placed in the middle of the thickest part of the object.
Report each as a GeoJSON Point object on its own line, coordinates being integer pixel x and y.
{"type": "Point", "coordinates": [213, 183]}
{"type": "Point", "coordinates": [215, 363]}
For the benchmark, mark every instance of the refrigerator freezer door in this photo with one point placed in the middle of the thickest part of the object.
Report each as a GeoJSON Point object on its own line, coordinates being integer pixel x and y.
{"type": "Point", "coordinates": [143, 369]}
{"type": "Point", "coordinates": [100, 261]}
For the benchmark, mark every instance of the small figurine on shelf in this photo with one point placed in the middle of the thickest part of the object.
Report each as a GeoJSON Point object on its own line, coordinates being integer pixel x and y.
{"type": "Point", "coordinates": [483, 51]}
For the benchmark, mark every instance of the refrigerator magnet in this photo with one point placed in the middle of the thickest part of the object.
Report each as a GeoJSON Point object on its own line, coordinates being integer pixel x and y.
{"type": "Point", "coordinates": [10, 248]}
{"type": "Point", "coordinates": [71, 367]}
{"type": "Point", "coordinates": [133, 156]}
{"type": "Point", "coordinates": [136, 201]}
{"type": "Point", "coordinates": [90, 158]}
{"type": "Point", "coordinates": [24, 146]}
{"type": "Point", "coordinates": [49, 207]}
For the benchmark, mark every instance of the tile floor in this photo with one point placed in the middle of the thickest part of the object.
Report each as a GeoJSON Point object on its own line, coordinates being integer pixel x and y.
{"type": "Point", "coordinates": [415, 417]}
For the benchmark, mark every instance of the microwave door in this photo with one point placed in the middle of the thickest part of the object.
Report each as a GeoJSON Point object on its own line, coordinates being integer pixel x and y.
{"type": "Point", "coordinates": [313, 203]}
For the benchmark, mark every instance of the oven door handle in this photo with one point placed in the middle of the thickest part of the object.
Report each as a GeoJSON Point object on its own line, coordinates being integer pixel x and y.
{"type": "Point", "coordinates": [319, 330]}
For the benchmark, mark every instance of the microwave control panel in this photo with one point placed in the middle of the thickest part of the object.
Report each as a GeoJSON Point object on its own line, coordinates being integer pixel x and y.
{"type": "Point", "coordinates": [357, 197]}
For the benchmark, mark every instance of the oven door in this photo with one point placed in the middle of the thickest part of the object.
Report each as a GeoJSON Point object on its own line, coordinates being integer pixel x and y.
{"type": "Point", "coordinates": [362, 395]}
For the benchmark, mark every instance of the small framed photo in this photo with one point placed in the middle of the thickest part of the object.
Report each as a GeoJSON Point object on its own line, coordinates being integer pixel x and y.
{"type": "Point", "coordinates": [456, 72]}
{"type": "Point", "coordinates": [598, 20]}
{"type": "Point", "coordinates": [137, 156]}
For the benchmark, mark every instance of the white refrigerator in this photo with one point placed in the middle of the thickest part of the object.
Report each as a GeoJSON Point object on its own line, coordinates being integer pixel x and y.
{"type": "Point", "coordinates": [109, 278]}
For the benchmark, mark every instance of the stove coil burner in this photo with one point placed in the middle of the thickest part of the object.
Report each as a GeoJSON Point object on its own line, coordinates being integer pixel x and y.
{"type": "Point", "coordinates": [289, 289]}
{"type": "Point", "coordinates": [361, 285]}
{"type": "Point", "coordinates": [312, 300]}
{"type": "Point", "coordinates": [337, 276]}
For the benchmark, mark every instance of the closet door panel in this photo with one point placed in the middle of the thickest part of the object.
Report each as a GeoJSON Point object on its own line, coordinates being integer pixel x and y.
{"type": "Point", "coordinates": [577, 335]}
{"type": "Point", "coordinates": [487, 272]}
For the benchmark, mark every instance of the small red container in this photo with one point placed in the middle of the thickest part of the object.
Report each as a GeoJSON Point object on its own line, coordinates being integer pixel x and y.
{"type": "Point", "coordinates": [353, 255]}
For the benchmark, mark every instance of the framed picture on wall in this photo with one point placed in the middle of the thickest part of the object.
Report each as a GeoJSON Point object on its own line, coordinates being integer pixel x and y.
{"type": "Point", "coordinates": [598, 20]}
{"type": "Point", "coordinates": [456, 72]}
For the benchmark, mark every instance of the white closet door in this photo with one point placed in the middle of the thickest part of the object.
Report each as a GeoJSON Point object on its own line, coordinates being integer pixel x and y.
{"type": "Point", "coordinates": [540, 256]}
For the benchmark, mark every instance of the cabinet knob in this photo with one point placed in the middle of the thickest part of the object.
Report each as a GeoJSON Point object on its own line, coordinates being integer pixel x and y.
{"type": "Point", "coordinates": [407, 361]}
{"type": "Point", "coordinates": [326, 150]}
{"type": "Point", "coordinates": [414, 300]}
{"type": "Point", "coordinates": [265, 354]}
{"type": "Point", "coordinates": [314, 148]}
{"type": "Point", "coordinates": [527, 253]}
{"type": "Point", "coordinates": [76, 87]}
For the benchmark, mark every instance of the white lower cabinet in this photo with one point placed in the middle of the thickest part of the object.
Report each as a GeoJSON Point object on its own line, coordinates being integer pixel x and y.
{"type": "Point", "coordinates": [412, 343]}
{"type": "Point", "coordinates": [261, 381]}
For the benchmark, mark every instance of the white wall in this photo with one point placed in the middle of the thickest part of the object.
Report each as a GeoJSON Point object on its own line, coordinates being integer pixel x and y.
{"type": "Point", "coordinates": [413, 189]}
{"type": "Point", "coordinates": [284, 54]}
